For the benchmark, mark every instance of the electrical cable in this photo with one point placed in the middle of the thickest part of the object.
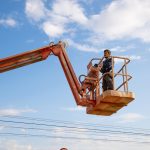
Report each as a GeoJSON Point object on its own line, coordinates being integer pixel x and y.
{"type": "Point", "coordinates": [72, 138]}
{"type": "Point", "coordinates": [73, 127]}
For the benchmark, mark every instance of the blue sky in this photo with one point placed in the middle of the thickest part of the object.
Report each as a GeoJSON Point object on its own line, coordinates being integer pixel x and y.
{"type": "Point", "coordinates": [89, 27]}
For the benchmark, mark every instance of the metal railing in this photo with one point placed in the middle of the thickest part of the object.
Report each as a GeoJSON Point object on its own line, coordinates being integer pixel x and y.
{"type": "Point", "coordinates": [121, 72]}
{"type": "Point", "coordinates": [118, 70]}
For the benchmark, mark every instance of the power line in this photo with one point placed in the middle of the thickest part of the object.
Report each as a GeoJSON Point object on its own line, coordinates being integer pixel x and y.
{"type": "Point", "coordinates": [93, 132]}
{"type": "Point", "coordinates": [78, 128]}
{"type": "Point", "coordinates": [72, 138]}
{"type": "Point", "coordinates": [74, 123]}
{"type": "Point", "coordinates": [65, 131]}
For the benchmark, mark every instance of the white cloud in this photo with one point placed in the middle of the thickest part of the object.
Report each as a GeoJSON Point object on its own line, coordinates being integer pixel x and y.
{"type": "Point", "coordinates": [70, 9]}
{"type": "Point", "coordinates": [24, 130]}
{"type": "Point", "coordinates": [131, 117]}
{"type": "Point", "coordinates": [8, 22]}
{"type": "Point", "coordinates": [118, 49]}
{"type": "Point", "coordinates": [52, 30]}
{"type": "Point", "coordinates": [78, 108]}
{"type": "Point", "coordinates": [1, 127]}
{"type": "Point", "coordinates": [119, 19]}
{"type": "Point", "coordinates": [14, 112]}
{"type": "Point", "coordinates": [30, 41]}
{"type": "Point", "coordinates": [83, 47]}
{"type": "Point", "coordinates": [134, 57]}
{"type": "Point", "coordinates": [13, 145]}
{"type": "Point", "coordinates": [54, 22]}
{"type": "Point", "coordinates": [123, 19]}
{"type": "Point", "coordinates": [104, 145]}
{"type": "Point", "coordinates": [123, 48]}
{"type": "Point", "coordinates": [131, 57]}
{"type": "Point", "coordinates": [35, 9]}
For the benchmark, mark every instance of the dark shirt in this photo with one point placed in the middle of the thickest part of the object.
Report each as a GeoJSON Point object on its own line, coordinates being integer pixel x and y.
{"type": "Point", "coordinates": [107, 65]}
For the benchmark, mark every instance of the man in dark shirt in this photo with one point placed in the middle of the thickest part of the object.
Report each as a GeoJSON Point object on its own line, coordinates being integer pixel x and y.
{"type": "Point", "coordinates": [107, 68]}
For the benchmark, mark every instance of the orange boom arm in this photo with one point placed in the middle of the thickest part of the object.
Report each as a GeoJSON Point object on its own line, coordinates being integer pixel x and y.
{"type": "Point", "coordinates": [86, 92]}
